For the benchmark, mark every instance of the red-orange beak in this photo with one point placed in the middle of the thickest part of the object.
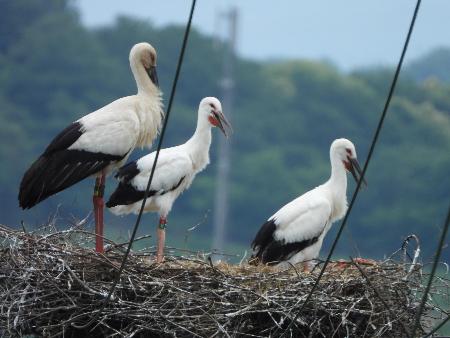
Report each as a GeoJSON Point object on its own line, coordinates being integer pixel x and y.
{"type": "Point", "coordinates": [219, 120]}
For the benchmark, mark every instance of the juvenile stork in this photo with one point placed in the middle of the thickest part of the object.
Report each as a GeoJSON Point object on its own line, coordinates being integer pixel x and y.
{"type": "Point", "coordinates": [99, 142]}
{"type": "Point", "coordinates": [295, 232]}
{"type": "Point", "coordinates": [175, 170]}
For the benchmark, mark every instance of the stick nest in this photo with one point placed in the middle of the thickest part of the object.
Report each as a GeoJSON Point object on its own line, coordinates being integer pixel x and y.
{"type": "Point", "coordinates": [53, 284]}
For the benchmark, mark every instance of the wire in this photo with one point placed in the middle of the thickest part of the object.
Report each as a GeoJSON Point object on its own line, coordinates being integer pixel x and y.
{"type": "Point", "coordinates": [163, 131]}
{"type": "Point", "coordinates": [441, 324]}
{"type": "Point", "coordinates": [433, 272]}
{"type": "Point", "coordinates": [366, 164]}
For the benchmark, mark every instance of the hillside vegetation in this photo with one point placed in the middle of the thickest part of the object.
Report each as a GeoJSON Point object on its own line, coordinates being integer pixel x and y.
{"type": "Point", "coordinates": [53, 70]}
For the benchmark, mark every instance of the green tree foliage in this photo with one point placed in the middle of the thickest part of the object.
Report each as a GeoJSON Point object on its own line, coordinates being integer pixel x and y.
{"type": "Point", "coordinates": [17, 15]}
{"type": "Point", "coordinates": [53, 70]}
{"type": "Point", "coordinates": [433, 65]}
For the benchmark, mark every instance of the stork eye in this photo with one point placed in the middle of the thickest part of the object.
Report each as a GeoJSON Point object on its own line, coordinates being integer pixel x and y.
{"type": "Point", "coordinates": [349, 151]}
{"type": "Point", "coordinates": [212, 106]}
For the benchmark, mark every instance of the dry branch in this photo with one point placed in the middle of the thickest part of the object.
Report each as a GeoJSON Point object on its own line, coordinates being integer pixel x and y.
{"type": "Point", "coordinates": [51, 284]}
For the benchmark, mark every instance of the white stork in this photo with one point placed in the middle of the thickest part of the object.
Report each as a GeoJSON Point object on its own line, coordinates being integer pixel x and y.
{"type": "Point", "coordinates": [295, 232]}
{"type": "Point", "coordinates": [175, 170]}
{"type": "Point", "coordinates": [99, 142]}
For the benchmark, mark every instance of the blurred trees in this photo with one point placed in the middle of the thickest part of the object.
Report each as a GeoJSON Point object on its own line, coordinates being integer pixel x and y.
{"type": "Point", "coordinates": [53, 70]}
{"type": "Point", "coordinates": [18, 15]}
{"type": "Point", "coordinates": [434, 65]}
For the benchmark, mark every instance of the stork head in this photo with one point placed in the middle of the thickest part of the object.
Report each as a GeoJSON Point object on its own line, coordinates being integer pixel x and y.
{"type": "Point", "coordinates": [211, 109]}
{"type": "Point", "coordinates": [144, 53]}
{"type": "Point", "coordinates": [344, 150]}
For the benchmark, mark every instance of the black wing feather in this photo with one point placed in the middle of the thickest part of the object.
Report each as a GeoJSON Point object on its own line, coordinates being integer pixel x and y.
{"type": "Point", "coordinates": [65, 138]}
{"type": "Point", "coordinates": [268, 250]}
{"type": "Point", "coordinates": [264, 236]}
{"type": "Point", "coordinates": [59, 168]}
{"type": "Point", "coordinates": [278, 251]}
{"type": "Point", "coordinates": [127, 172]}
{"type": "Point", "coordinates": [126, 193]}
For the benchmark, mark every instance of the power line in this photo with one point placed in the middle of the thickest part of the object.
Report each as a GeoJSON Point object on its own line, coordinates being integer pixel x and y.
{"type": "Point", "coordinates": [433, 271]}
{"type": "Point", "coordinates": [366, 164]}
{"type": "Point", "coordinates": [163, 130]}
{"type": "Point", "coordinates": [437, 327]}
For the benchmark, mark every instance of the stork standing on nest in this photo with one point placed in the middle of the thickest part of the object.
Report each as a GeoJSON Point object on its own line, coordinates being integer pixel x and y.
{"type": "Point", "coordinates": [175, 170]}
{"type": "Point", "coordinates": [295, 232]}
{"type": "Point", "coordinates": [99, 142]}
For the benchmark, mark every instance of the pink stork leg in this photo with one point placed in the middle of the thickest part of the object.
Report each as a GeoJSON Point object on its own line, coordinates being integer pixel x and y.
{"type": "Point", "coordinates": [161, 239]}
{"type": "Point", "coordinates": [98, 211]}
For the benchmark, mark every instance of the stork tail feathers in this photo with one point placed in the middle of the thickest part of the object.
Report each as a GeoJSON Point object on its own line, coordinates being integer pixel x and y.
{"type": "Point", "coordinates": [50, 174]}
{"type": "Point", "coordinates": [32, 187]}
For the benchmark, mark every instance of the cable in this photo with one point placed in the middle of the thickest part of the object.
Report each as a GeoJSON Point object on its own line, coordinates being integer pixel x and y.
{"type": "Point", "coordinates": [366, 164]}
{"type": "Point", "coordinates": [163, 131]}
{"type": "Point", "coordinates": [441, 324]}
{"type": "Point", "coordinates": [433, 271]}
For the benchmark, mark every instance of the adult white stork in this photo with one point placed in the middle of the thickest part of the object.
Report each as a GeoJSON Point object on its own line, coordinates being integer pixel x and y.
{"type": "Point", "coordinates": [295, 232]}
{"type": "Point", "coordinates": [100, 141]}
{"type": "Point", "coordinates": [175, 170]}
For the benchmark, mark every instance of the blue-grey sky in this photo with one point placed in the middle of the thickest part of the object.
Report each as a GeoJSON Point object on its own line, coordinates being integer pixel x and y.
{"type": "Point", "coordinates": [350, 33]}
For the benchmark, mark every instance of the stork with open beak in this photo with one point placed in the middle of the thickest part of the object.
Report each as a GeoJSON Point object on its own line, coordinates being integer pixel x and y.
{"type": "Point", "coordinates": [175, 170]}
{"type": "Point", "coordinates": [295, 232]}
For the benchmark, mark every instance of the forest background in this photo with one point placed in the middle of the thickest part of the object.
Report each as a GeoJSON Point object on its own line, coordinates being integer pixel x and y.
{"type": "Point", "coordinates": [53, 70]}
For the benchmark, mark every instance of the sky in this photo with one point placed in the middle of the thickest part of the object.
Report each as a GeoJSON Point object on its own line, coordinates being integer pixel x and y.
{"type": "Point", "coordinates": [349, 33]}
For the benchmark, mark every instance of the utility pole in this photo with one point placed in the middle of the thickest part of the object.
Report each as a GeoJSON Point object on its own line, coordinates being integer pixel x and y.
{"type": "Point", "coordinates": [223, 170]}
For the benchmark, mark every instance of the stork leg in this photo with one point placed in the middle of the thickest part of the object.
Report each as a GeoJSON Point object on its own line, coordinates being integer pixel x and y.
{"type": "Point", "coordinates": [161, 239]}
{"type": "Point", "coordinates": [99, 190]}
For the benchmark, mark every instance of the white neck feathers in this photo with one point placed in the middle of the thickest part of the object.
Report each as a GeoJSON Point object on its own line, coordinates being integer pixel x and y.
{"type": "Point", "coordinates": [338, 178]}
{"type": "Point", "coordinates": [150, 107]}
{"type": "Point", "coordinates": [198, 145]}
{"type": "Point", "coordinates": [337, 188]}
{"type": "Point", "coordinates": [145, 86]}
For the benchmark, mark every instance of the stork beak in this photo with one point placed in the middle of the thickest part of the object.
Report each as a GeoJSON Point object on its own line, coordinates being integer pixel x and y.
{"type": "Point", "coordinates": [223, 123]}
{"type": "Point", "coordinates": [356, 171]}
{"type": "Point", "coordinates": [153, 75]}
